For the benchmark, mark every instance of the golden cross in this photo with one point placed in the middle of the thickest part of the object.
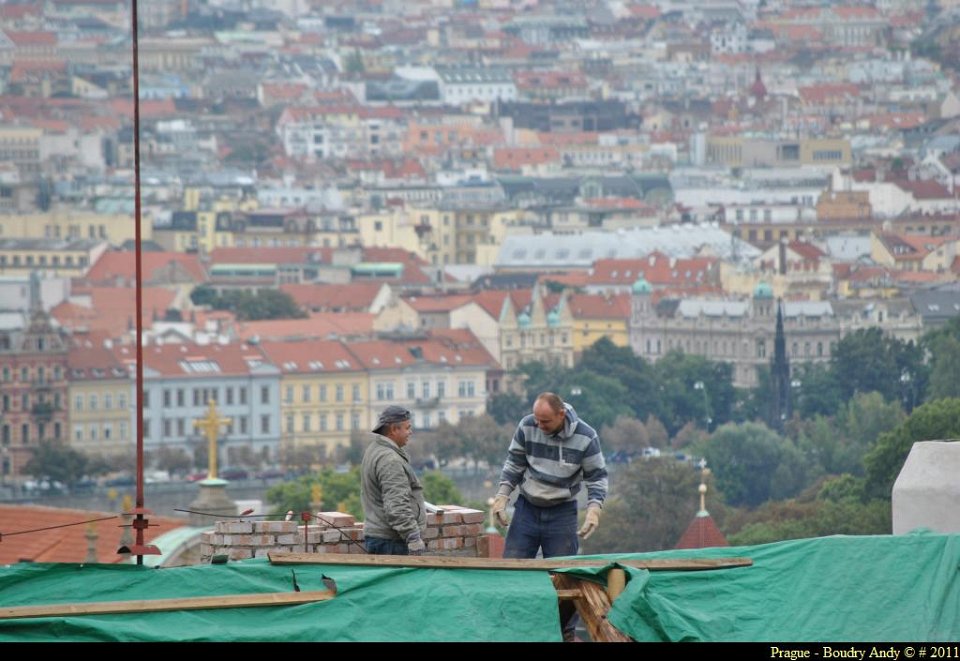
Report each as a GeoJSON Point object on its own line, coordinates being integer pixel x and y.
{"type": "Point", "coordinates": [210, 425]}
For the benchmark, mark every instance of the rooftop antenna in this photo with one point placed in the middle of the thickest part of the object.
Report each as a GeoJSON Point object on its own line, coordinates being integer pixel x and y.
{"type": "Point", "coordinates": [140, 523]}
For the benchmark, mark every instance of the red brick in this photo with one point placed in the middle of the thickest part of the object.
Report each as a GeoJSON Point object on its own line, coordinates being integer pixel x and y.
{"type": "Point", "coordinates": [473, 516]}
{"type": "Point", "coordinates": [451, 543]}
{"type": "Point", "coordinates": [472, 530]}
{"type": "Point", "coordinates": [274, 527]}
{"type": "Point", "coordinates": [234, 527]}
{"type": "Point", "coordinates": [240, 554]}
{"type": "Point", "coordinates": [431, 533]}
{"type": "Point", "coordinates": [451, 531]}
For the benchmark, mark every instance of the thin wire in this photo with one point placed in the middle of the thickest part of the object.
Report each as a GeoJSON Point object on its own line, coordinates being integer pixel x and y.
{"type": "Point", "coordinates": [62, 525]}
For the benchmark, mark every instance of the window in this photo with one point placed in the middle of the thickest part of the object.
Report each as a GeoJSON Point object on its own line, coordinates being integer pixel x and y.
{"type": "Point", "coordinates": [24, 434]}
{"type": "Point", "coordinates": [230, 396]}
{"type": "Point", "coordinates": [243, 425]}
{"type": "Point", "coordinates": [77, 403]}
{"type": "Point", "coordinates": [93, 402]}
{"type": "Point", "coordinates": [108, 402]}
{"type": "Point", "coordinates": [323, 393]}
{"type": "Point", "coordinates": [181, 432]}
{"type": "Point", "coordinates": [411, 390]}
{"type": "Point", "coordinates": [264, 394]}
{"type": "Point", "coordinates": [94, 432]}
{"type": "Point", "coordinates": [426, 421]}
{"type": "Point", "coordinates": [146, 399]}
{"type": "Point", "coordinates": [146, 428]}
{"type": "Point", "coordinates": [288, 394]}
{"type": "Point", "coordinates": [339, 422]}
{"type": "Point", "coordinates": [306, 422]}
{"type": "Point", "coordinates": [306, 393]}
{"type": "Point", "coordinates": [323, 422]}
{"type": "Point", "coordinates": [441, 389]}
{"type": "Point", "coordinates": [264, 424]}
{"type": "Point", "coordinates": [339, 393]}
{"type": "Point", "coordinates": [121, 401]}
{"type": "Point", "coordinates": [167, 428]}
{"type": "Point", "coordinates": [123, 431]}
{"type": "Point", "coordinates": [355, 421]}
{"type": "Point", "coordinates": [243, 395]}
{"type": "Point", "coordinates": [77, 432]}
{"type": "Point", "coordinates": [167, 399]}
{"type": "Point", "coordinates": [355, 392]}
{"type": "Point", "coordinates": [426, 390]}
{"type": "Point", "coordinates": [290, 424]}
{"type": "Point", "coordinates": [107, 431]}
{"type": "Point", "coordinates": [196, 397]}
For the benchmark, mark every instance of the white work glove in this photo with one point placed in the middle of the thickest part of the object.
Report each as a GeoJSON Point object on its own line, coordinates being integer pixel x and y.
{"type": "Point", "coordinates": [591, 522]}
{"type": "Point", "coordinates": [500, 510]}
{"type": "Point", "coordinates": [415, 545]}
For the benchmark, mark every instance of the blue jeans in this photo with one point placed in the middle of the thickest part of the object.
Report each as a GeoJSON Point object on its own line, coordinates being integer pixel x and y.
{"type": "Point", "coordinates": [380, 546]}
{"type": "Point", "coordinates": [550, 529]}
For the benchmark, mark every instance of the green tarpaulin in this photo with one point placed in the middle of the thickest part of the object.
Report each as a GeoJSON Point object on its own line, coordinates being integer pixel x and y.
{"type": "Point", "coordinates": [883, 588]}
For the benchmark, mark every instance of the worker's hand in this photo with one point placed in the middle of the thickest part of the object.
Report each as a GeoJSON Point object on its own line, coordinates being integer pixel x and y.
{"type": "Point", "coordinates": [591, 522]}
{"type": "Point", "coordinates": [500, 510]}
{"type": "Point", "coordinates": [415, 545]}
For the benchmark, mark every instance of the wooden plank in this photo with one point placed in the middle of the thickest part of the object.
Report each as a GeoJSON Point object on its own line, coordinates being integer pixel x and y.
{"type": "Point", "coordinates": [592, 607]}
{"type": "Point", "coordinates": [177, 604]}
{"type": "Point", "coordinates": [567, 595]}
{"type": "Point", "coordinates": [454, 562]}
{"type": "Point", "coordinates": [616, 582]}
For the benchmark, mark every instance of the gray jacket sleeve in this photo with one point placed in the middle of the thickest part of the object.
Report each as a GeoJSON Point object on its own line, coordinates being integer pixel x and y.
{"type": "Point", "coordinates": [397, 496]}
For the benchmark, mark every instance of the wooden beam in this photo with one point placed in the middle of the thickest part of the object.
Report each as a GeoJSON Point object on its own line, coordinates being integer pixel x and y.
{"type": "Point", "coordinates": [592, 607]}
{"type": "Point", "coordinates": [616, 582]}
{"type": "Point", "coordinates": [177, 604]}
{"type": "Point", "coordinates": [458, 562]}
{"type": "Point", "coordinates": [567, 595]}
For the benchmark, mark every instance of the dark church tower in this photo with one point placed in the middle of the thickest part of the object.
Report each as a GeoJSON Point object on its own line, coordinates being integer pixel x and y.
{"type": "Point", "coordinates": [780, 406]}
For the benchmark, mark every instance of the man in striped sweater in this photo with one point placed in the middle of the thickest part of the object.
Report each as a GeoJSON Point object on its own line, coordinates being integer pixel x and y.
{"type": "Point", "coordinates": [552, 454]}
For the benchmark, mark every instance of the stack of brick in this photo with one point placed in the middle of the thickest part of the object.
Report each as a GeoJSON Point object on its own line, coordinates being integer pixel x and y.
{"type": "Point", "coordinates": [453, 531]}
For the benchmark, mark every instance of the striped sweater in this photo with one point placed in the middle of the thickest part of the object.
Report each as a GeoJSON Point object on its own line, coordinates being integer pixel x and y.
{"type": "Point", "coordinates": [550, 468]}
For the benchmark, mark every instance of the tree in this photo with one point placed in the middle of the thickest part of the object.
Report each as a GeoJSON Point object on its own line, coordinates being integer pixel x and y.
{"type": "Point", "coordinates": [754, 464]}
{"type": "Point", "coordinates": [604, 358]}
{"type": "Point", "coordinates": [483, 440]}
{"type": "Point", "coordinates": [945, 353]}
{"type": "Point", "coordinates": [867, 360]}
{"type": "Point", "coordinates": [54, 461]}
{"type": "Point", "coordinates": [626, 434]}
{"type": "Point", "coordinates": [795, 520]}
{"type": "Point", "coordinates": [204, 295]}
{"type": "Point", "coordinates": [652, 503]}
{"type": "Point", "coordinates": [337, 491]}
{"type": "Point", "coordinates": [938, 420]}
{"type": "Point", "coordinates": [443, 442]}
{"type": "Point", "coordinates": [263, 304]}
{"type": "Point", "coordinates": [440, 489]}
{"type": "Point", "coordinates": [173, 460]}
{"type": "Point", "coordinates": [817, 392]}
{"type": "Point", "coordinates": [708, 404]}
{"type": "Point", "coordinates": [839, 444]}
{"type": "Point", "coordinates": [508, 408]}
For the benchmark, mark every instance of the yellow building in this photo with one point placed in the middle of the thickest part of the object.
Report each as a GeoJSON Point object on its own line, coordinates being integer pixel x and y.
{"type": "Point", "coordinates": [55, 257]}
{"type": "Point", "coordinates": [114, 228]}
{"type": "Point", "coordinates": [596, 316]}
{"type": "Point", "coordinates": [323, 398]}
{"type": "Point", "coordinates": [99, 393]}
{"type": "Point", "coordinates": [535, 331]}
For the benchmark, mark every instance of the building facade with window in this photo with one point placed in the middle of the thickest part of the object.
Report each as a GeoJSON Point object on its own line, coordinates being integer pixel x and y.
{"type": "Point", "coordinates": [99, 395]}
{"type": "Point", "coordinates": [33, 384]}
{"type": "Point", "coordinates": [739, 332]}
{"type": "Point", "coordinates": [324, 398]}
{"type": "Point", "coordinates": [181, 379]}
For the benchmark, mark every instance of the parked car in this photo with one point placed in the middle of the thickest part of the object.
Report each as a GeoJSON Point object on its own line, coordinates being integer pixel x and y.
{"type": "Point", "coordinates": [234, 474]}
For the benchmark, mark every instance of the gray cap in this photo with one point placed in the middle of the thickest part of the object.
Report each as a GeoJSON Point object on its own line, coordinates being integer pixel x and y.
{"type": "Point", "coordinates": [391, 414]}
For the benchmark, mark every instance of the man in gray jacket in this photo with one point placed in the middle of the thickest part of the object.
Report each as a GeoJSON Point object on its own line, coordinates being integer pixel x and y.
{"type": "Point", "coordinates": [395, 516]}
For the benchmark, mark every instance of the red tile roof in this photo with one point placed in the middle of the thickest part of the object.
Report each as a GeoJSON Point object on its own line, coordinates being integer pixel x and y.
{"type": "Point", "coordinates": [657, 269]}
{"type": "Point", "coordinates": [438, 303]}
{"type": "Point", "coordinates": [67, 544]}
{"type": "Point", "coordinates": [113, 309]}
{"type": "Point", "coordinates": [120, 266]}
{"type": "Point", "coordinates": [702, 533]}
{"type": "Point", "coordinates": [353, 297]}
{"type": "Point", "coordinates": [321, 325]}
{"type": "Point", "coordinates": [512, 158]}
{"type": "Point", "coordinates": [36, 38]}
{"type": "Point", "coordinates": [598, 306]}
{"type": "Point", "coordinates": [311, 356]}
{"type": "Point", "coordinates": [828, 92]}
{"type": "Point", "coordinates": [924, 190]}
{"type": "Point", "coordinates": [176, 360]}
